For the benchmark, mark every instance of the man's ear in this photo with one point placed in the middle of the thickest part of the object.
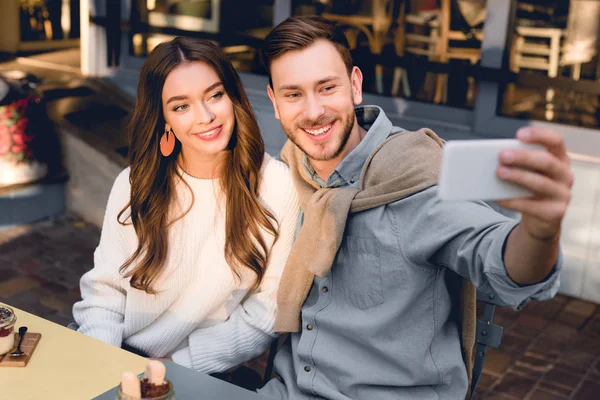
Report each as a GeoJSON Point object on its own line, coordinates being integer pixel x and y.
{"type": "Point", "coordinates": [356, 79]}
{"type": "Point", "coordinates": [272, 98]}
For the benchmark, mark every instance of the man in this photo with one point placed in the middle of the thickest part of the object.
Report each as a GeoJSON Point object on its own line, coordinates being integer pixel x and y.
{"type": "Point", "coordinates": [378, 321]}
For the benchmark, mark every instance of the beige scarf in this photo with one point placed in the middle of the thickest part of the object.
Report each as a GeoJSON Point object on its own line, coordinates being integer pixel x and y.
{"type": "Point", "coordinates": [403, 164]}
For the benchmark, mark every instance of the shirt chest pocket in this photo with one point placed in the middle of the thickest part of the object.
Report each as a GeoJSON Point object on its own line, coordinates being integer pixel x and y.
{"type": "Point", "coordinates": [360, 272]}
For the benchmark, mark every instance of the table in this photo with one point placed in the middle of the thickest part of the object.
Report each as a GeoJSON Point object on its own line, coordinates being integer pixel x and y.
{"type": "Point", "coordinates": [66, 364]}
{"type": "Point", "coordinates": [190, 384]}
{"type": "Point", "coordinates": [69, 365]}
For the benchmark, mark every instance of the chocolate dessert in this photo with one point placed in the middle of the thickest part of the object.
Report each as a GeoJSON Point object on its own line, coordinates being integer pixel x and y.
{"type": "Point", "coordinates": [152, 386]}
{"type": "Point", "coordinates": [150, 390]}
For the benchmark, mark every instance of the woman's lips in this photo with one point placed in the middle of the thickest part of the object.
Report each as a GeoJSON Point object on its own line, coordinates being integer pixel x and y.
{"type": "Point", "coordinates": [209, 134]}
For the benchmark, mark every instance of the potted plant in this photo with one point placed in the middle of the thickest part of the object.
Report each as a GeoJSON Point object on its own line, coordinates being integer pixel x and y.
{"type": "Point", "coordinates": [19, 161]}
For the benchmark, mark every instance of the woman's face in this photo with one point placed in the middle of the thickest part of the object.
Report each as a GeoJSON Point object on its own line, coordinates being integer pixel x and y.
{"type": "Point", "coordinates": [198, 110]}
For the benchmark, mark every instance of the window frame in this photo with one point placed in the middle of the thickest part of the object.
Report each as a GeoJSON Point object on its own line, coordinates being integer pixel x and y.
{"type": "Point", "coordinates": [483, 121]}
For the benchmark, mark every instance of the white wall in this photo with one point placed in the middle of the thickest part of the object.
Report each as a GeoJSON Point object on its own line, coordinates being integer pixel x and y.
{"type": "Point", "coordinates": [581, 235]}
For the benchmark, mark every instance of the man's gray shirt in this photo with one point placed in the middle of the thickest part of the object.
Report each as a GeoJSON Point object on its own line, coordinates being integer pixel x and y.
{"type": "Point", "coordinates": [381, 324]}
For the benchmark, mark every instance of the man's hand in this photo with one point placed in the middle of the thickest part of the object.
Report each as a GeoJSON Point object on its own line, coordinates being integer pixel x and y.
{"type": "Point", "coordinates": [547, 174]}
{"type": "Point", "coordinates": [532, 247]}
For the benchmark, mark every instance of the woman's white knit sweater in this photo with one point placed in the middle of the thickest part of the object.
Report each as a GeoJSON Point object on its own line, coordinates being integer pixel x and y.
{"type": "Point", "coordinates": [202, 315]}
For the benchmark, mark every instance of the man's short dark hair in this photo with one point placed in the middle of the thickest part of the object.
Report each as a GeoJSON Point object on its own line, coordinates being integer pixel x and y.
{"type": "Point", "coordinates": [298, 33]}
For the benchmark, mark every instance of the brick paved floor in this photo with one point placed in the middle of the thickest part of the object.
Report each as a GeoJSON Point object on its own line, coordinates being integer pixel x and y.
{"type": "Point", "coordinates": [40, 265]}
{"type": "Point", "coordinates": [549, 351]}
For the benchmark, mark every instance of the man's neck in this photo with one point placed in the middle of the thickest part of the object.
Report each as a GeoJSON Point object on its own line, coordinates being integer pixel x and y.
{"type": "Point", "coordinates": [326, 168]}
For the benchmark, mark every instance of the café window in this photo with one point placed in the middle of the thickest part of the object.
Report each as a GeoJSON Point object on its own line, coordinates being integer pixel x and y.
{"type": "Point", "coordinates": [427, 51]}
{"type": "Point", "coordinates": [42, 20]}
{"type": "Point", "coordinates": [39, 25]}
{"type": "Point", "coordinates": [415, 49]}
{"type": "Point", "coordinates": [560, 40]}
{"type": "Point", "coordinates": [238, 26]}
{"type": "Point", "coordinates": [202, 15]}
{"type": "Point", "coordinates": [424, 47]}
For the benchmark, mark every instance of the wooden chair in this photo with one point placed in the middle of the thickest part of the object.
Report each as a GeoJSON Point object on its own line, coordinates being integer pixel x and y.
{"type": "Point", "coordinates": [374, 20]}
{"type": "Point", "coordinates": [581, 36]}
{"type": "Point", "coordinates": [421, 40]}
{"type": "Point", "coordinates": [545, 46]}
{"type": "Point", "coordinates": [537, 48]}
{"type": "Point", "coordinates": [436, 44]}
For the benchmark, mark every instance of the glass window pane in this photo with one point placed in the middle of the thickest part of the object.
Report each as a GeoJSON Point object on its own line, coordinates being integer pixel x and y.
{"type": "Point", "coordinates": [425, 47]}
{"type": "Point", "coordinates": [49, 19]}
{"type": "Point", "coordinates": [237, 25]}
{"type": "Point", "coordinates": [555, 39]}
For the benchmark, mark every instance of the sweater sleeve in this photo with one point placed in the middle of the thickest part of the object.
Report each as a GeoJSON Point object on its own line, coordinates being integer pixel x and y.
{"type": "Point", "coordinates": [250, 327]}
{"type": "Point", "coordinates": [101, 311]}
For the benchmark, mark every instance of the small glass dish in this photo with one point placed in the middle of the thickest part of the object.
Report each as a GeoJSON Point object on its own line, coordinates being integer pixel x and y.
{"type": "Point", "coordinates": [8, 319]}
{"type": "Point", "coordinates": [170, 395]}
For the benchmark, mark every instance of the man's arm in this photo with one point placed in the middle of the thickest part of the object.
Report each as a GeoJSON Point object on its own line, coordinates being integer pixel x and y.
{"type": "Point", "coordinates": [532, 247]}
{"type": "Point", "coordinates": [529, 260]}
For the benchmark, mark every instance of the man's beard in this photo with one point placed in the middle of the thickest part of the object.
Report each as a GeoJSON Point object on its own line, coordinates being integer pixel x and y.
{"type": "Point", "coordinates": [347, 129]}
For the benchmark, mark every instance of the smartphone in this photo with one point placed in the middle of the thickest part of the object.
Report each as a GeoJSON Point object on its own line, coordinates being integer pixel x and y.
{"type": "Point", "coordinates": [468, 170]}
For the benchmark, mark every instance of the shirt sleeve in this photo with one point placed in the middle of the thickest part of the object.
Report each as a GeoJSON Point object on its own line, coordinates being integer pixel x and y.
{"type": "Point", "coordinates": [469, 238]}
{"type": "Point", "coordinates": [101, 311]}
{"type": "Point", "coordinates": [250, 328]}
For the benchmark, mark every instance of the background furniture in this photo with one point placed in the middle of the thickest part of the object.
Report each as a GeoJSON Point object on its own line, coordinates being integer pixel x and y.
{"type": "Point", "coordinates": [430, 35]}
{"type": "Point", "coordinates": [374, 19]}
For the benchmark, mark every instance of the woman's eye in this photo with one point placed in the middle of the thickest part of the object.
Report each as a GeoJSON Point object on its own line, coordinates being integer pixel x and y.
{"type": "Point", "coordinates": [180, 107]}
{"type": "Point", "coordinates": [217, 95]}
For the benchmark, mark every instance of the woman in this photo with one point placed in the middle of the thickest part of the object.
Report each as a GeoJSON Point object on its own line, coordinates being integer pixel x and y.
{"type": "Point", "coordinates": [197, 230]}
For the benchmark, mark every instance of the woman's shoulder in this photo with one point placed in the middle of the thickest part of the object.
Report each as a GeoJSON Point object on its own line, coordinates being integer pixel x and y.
{"type": "Point", "coordinates": [277, 186]}
{"type": "Point", "coordinates": [123, 178]}
{"type": "Point", "coordinates": [275, 172]}
{"type": "Point", "coordinates": [121, 182]}
{"type": "Point", "coordinates": [121, 189]}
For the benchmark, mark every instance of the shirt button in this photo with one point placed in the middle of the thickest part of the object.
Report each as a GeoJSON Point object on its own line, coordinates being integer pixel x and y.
{"type": "Point", "coordinates": [307, 368]}
{"type": "Point", "coordinates": [309, 327]}
{"type": "Point", "coordinates": [352, 180]}
{"type": "Point", "coordinates": [325, 289]}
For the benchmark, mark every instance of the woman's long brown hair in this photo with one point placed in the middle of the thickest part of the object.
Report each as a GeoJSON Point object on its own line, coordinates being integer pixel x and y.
{"type": "Point", "coordinates": [153, 177]}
